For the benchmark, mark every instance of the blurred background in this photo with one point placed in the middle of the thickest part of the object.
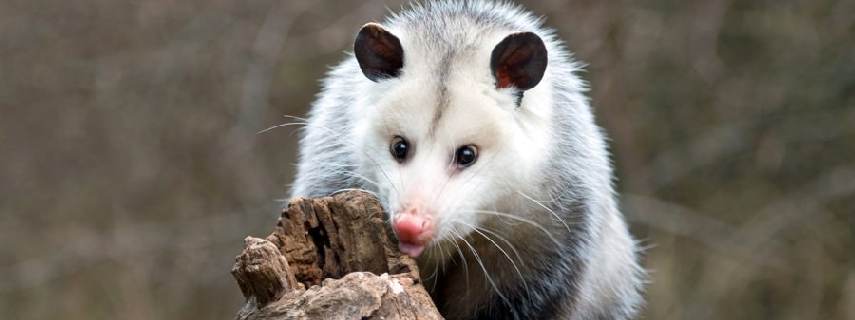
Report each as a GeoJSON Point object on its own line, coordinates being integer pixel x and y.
{"type": "Point", "coordinates": [132, 166]}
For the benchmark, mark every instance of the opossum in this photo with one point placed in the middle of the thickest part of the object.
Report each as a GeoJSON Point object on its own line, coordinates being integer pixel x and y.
{"type": "Point", "coordinates": [468, 121]}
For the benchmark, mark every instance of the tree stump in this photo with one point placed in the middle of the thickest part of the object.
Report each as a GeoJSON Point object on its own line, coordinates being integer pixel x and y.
{"type": "Point", "coordinates": [339, 248]}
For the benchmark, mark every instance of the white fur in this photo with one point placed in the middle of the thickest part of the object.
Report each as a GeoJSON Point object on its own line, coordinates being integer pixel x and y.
{"type": "Point", "coordinates": [542, 164]}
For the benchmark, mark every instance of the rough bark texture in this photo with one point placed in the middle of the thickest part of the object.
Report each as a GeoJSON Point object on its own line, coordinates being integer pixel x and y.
{"type": "Point", "coordinates": [335, 246]}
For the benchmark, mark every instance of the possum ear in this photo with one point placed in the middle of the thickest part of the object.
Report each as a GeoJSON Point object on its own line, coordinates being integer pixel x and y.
{"type": "Point", "coordinates": [519, 61]}
{"type": "Point", "coordinates": [379, 52]}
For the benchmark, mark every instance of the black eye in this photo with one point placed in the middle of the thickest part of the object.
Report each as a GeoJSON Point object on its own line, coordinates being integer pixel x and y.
{"type": "Point", "coordinates": [399, 149]}
{"type": "Point", "coordinates": [466, 155]}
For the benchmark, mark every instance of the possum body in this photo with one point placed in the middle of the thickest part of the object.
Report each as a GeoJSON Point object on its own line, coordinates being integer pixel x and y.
{"type": "Point", "coordinates": [467, 121]}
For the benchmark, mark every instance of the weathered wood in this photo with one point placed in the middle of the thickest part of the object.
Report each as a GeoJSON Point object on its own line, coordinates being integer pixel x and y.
{"type": "Point", "coordinates": [262, 272]}
{"type": "Point", "coordinates": [341, 249]}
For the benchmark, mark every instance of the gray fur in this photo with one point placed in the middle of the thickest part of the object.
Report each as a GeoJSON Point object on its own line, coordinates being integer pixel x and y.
{"type": "Point", "coordinates": [442, 94]}
{"type": "Point", "coordinates": [583, 267]}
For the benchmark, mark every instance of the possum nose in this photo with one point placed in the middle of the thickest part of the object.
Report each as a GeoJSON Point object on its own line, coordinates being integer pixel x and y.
{"type": "Point", "coordinates": [414, 232]}
{"type": "Point", "coordinates": [410, 228]}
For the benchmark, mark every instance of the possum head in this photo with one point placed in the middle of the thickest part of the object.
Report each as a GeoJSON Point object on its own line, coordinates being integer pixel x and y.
{"type": "Point", "coordinates": [447, 138]}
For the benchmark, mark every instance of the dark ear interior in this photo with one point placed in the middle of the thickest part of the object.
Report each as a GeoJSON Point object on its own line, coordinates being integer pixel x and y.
{"type": "Point", "coordinates": [519, 61]}
{"type": "Point", "coordinates": [379, 52]}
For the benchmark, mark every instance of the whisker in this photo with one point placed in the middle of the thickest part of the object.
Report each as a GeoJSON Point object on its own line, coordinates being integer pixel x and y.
{"type": "Point", "coordinates": [435, 269]}
{"type": "Point", "coordinates": [517, 218]}
{"type": "Point", "coordinates": [433, 252]}
{"type": "Point", "coordinates": [486, 273]}
{"type": "Point", "coordinates": [514, 264]}
{"type": "Point", "coordinates": [465, 265]}
{"type": "Point", "coordinates": [547, 209]}
{"type": "Point", "coordinates": [283, 125]}
{"type": "Point", "coordinates": [340, 139]}
{"type": "Point", "coordinates": [353, 174]}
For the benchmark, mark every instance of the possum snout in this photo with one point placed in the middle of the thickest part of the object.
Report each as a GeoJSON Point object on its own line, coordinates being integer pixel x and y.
{"type": "Point", "coordinates": [414, 228]}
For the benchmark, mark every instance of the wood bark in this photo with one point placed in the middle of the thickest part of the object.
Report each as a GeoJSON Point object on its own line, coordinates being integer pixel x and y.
{"type": "Point", "coordinates": [341, 249]}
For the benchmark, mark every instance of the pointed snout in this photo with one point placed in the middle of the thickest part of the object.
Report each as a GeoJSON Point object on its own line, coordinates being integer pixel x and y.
{"type": "Point", "coordinates": [414, 228]}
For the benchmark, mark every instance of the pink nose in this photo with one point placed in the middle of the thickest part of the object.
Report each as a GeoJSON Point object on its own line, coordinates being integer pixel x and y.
{"type": "Point", "coordinates": [414, 232]}
{"type": "Point", "coordinates": [410, 228]}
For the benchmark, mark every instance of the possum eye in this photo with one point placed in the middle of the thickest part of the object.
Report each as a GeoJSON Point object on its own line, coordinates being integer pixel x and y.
{"type": "Point", "coordinates": [466, 155]}
{"type": "Point", "coordinates": [399, 149]}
